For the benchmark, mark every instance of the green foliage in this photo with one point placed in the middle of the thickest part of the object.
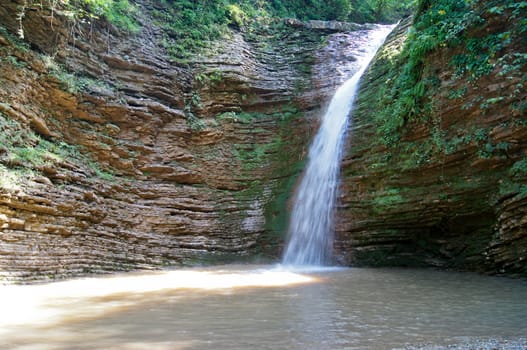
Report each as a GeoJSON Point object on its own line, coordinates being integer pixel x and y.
{"type": "Point", "coordinates": [107, 175]}
{"type": "Point", "coordinates": [443, 142]}
{"type": "Point", "coordinates": [519, 169]}
{"type": "Point", "coordinates": [343, 10]}
{"type": "Point", "coordinates": [118, 12]}
{"type": "Point", "coordinates": [406, 94]}
{"type": "Point", "coordinates": [191, 104]}
{"type": "Point", "coordinates": [388, 198]}
{"type": "Point", "coordinates": [210, 79]}
{"type": "Point", "coordinates": [284, 113]}
{"type": "Point", "coordinates": [315, 9]}
{"type": "Point", "coordinates": [380, 10]}
{"type": "Point", "coordinates": [20, 147]}
{"type": "Point", "coordinates": [479, 57]}
{"type": "Point", "coordinates": [512, 8]}
{"type": "Point", "coordinates": [410, 84]}
{"type": "Point", "coordinates": [195, 123]}
{"type": "Point", "coordinates": [72, 82]}
{"type": "Point", "coordinates": [236, 15]}
{"type": "Point", "coordinates": [69, 82]}
{"type": "Point", "coordinates": [516, 184]}
{"type": "Point", "coordinates": [17, 42]}
{"type": "Point", "coordinates": [190, 26]}
{"type": "Point", "coordinates": [14, 179]}
{"type": "Point", "coordinates": [23, 154]}
{"type": "Point", "coordinates": [457, 93]}
{"type": "Point", "coordinates": [252, 156]}
{"type": "Point", "coordinates": [13, 60]}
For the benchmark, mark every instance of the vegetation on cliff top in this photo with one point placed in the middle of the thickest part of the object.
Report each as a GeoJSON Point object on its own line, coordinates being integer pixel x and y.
{"type": "Point", "coordinates": [121, 13]}
{"type": "Point", "coordinates": [453, 89]}
{"type": "Point", "coordinates": [406, 96]}
{"type": "Point", "coordinates": [190, 25]}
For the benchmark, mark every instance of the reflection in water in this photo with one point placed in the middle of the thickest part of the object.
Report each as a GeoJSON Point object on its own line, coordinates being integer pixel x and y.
{"type": "Point", "coordinates": [246, 307]}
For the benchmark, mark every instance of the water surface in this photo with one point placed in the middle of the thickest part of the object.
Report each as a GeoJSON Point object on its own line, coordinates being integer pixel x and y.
{"type": "Point", "coordinates": [244, 307]}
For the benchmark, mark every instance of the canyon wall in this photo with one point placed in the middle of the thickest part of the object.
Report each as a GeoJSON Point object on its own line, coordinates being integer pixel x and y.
{"type": "Point", "coordinates": [451, 191]}
{"type": "Point", "coordinates": [115, 157]}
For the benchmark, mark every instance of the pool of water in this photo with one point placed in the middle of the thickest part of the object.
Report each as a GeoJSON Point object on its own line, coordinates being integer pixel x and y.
{"type": "Point", "coordinates": [265, 307]}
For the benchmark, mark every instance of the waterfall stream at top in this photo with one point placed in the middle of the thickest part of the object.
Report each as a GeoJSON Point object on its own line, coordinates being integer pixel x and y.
{"type": "Point", "coordinates": [310, 235]}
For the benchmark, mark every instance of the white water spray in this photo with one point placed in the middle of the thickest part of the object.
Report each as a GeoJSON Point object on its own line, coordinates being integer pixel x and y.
{"type": "Point", "coordinates": [311, 226]}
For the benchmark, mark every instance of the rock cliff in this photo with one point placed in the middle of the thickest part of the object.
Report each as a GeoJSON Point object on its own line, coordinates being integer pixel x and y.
{"type": "Point", "coordinates": [113, 157]}
{"type": "Point", "coordinates": [450, 192]}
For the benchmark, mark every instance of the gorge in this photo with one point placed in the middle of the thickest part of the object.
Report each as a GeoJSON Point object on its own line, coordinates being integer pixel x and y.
{"type": "Point", "coordinates": [117, 153]}
{"type": "Point", "coordinates": [152, 154]}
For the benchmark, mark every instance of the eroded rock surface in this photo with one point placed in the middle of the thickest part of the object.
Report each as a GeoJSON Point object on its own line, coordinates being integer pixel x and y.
{"type": "Point", "coordinates": [151, 163]}
{"type": "Point", "coordinates": [452, 193]}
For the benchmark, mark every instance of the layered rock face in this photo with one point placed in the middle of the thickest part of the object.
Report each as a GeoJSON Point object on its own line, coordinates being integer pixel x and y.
{"type": "Point", "coordinates": [114, 158]}
{"type": "Point", "coordinates": [451, 193]}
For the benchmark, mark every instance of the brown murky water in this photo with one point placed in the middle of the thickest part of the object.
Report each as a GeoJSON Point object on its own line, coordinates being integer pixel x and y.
{"type": "Point", "coordinates": [248, 307]}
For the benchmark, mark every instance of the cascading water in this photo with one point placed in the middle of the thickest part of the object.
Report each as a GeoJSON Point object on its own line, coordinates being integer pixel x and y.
{"type": "Point", "coordinates": [311, 226]}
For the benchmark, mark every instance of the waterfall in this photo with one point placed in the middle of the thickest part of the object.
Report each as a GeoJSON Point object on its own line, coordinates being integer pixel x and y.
{"type": "Point", "coordinates": [311, 227]}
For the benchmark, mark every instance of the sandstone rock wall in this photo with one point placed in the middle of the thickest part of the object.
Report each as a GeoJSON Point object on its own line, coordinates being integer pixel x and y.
{"type": "Point", "coordinates": [460, 206]}
{"type": "Point", "coordinates": [126, 160]}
